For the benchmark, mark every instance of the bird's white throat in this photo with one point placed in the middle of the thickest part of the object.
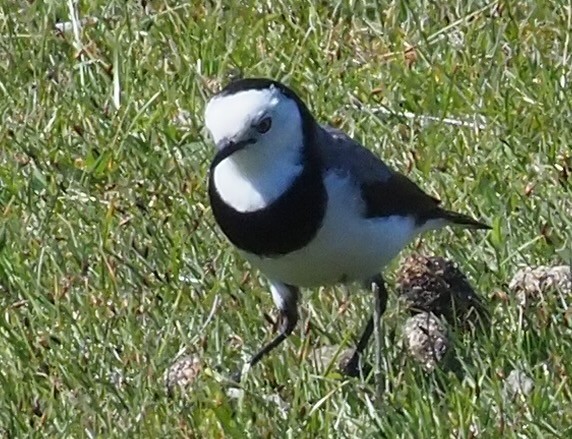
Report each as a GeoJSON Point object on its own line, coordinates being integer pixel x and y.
{"type": "Point", "coordinates": [250, 185]}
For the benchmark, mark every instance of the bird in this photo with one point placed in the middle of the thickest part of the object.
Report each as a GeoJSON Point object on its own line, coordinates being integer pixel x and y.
{"type": "Point", "coordinates": [308, 205]}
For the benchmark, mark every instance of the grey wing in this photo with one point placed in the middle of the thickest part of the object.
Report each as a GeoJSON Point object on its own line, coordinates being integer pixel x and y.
{"type": "Point", "coordinates": [341, 153]}
{"type": "Point", "coordinates": [385, 192]}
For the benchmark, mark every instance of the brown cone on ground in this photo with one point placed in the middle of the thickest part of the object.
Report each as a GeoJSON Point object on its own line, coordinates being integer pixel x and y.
{"type": "Point", "coordinates": [183, 373]}
{"type": "Point", "coordinates": [532, 285]}
{"type": "Point", "coordinates": [427, 340]}
{"type": "Point", "coordinates": [435, 285]}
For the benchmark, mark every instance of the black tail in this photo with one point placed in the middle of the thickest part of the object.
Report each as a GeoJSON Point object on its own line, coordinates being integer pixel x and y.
{"type": "Point", "coordinates": [462, 220]}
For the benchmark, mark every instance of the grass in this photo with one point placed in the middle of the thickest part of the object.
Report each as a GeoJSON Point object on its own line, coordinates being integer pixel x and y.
{"type": "Point", "coordinates": [110, 261]}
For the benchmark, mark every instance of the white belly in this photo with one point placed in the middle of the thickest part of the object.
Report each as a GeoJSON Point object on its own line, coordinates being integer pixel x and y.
{"type": "Point", "coordinates": [348, 247]}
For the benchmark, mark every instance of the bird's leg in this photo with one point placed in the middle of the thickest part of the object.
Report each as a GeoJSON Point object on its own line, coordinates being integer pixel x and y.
{"type": "Point", "coordinates": [377, 286]}
{"type": "Point", "coordinates": [352, 367]}
{"type": "Point", "coordinates": [380, 303]}
{"type": "Point", "coordinates": [286, 299]}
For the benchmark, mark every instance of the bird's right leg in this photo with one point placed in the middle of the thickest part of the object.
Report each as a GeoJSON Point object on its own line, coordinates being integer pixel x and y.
{"type": "Point", "coordinates": [286, 299]}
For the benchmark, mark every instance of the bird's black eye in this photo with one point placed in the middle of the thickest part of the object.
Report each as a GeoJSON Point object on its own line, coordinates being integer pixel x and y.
{"type": "Point", "coordinates": [264, 125]}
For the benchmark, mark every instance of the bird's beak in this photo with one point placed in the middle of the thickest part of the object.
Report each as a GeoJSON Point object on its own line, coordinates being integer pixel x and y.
{"type": "Point", "coordinates": [229, 146]}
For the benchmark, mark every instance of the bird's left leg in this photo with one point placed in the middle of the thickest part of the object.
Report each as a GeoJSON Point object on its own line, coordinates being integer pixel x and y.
{"type": "Point", "coordinates": [377, 286]}
{"type": "Point", "coordinates": [380, 303]}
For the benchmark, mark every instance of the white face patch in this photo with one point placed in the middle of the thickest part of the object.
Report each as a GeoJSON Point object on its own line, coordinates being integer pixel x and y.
{"type": "Point", "coordinates": [255, 176]}
{"type": "Point", "coordinates": [230, 117]}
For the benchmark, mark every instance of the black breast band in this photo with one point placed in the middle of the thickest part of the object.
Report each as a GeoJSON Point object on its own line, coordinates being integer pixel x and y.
{"type": "Point", "coordinates": [286, 225]}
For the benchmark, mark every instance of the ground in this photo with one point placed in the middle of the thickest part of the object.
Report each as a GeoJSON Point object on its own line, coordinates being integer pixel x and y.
{"type": "Point", "coordinates": [111, 264]}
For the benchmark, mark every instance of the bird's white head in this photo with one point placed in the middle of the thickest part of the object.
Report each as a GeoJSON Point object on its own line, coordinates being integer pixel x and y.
{"type": "Point", "coordinates": [255, 119]}
{"type": "Point", "coordinates": [258, 127]}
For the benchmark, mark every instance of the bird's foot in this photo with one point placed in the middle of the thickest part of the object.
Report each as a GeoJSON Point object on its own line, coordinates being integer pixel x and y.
{"type": "Point", "coordinates": [236, 376]}
{"type": "Point", "coordinates": [353, 366]}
